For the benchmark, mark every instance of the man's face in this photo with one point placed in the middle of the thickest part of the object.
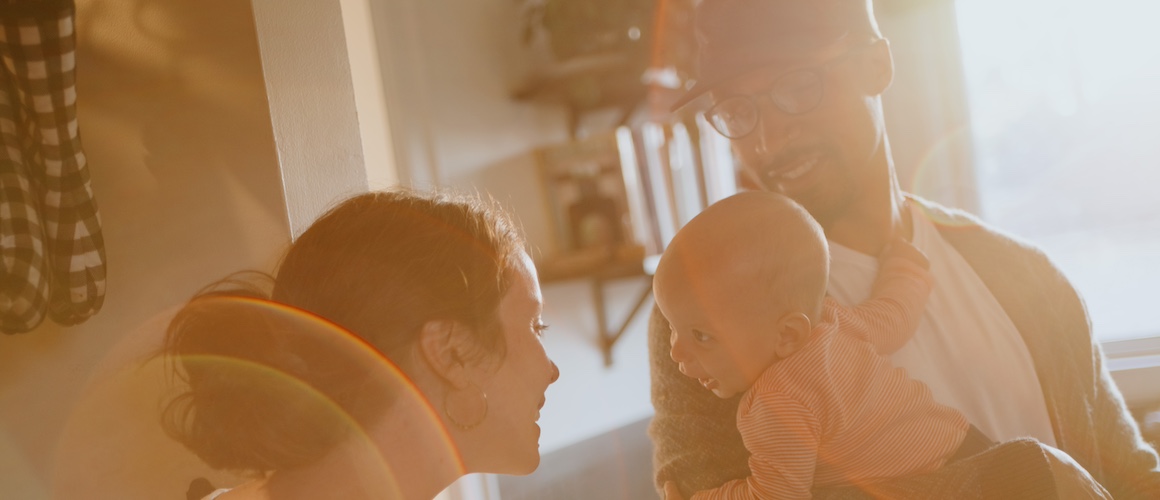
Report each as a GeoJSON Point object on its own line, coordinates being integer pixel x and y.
{"type": "Point", "coordinates": [820, 158]}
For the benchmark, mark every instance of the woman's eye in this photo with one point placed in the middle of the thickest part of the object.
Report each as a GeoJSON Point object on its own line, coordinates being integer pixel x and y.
{"type": "Point", "coordinates": [540, 327]}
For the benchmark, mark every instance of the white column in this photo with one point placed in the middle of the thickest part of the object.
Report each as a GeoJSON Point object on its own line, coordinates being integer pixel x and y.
{"type": "Point", "coordinates": [312, 104]}
{"type": "Point", "coordinates": [926, 106]}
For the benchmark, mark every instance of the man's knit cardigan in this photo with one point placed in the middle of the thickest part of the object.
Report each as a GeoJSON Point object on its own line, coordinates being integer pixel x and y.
{"type": "Point", "coordinates": [698, 447]}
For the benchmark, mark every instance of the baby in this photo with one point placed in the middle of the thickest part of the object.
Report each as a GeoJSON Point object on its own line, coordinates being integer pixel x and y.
{"type": "Point", "coordinates": [744, 287]}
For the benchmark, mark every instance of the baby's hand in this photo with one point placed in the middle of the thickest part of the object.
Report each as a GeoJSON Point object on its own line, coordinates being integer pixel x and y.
{"type": "Point", "coordinates": [671, 491]}
{"type": "Point", "coordinates": [902, 249]}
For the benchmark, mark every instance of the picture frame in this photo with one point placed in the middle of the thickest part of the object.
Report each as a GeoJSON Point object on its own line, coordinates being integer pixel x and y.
{"type": "Point", "coordinates": [586, 195]}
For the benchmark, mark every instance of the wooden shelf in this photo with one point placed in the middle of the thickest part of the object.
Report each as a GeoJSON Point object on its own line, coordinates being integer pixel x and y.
{"type": "Point", "coordinates": [588, 83]}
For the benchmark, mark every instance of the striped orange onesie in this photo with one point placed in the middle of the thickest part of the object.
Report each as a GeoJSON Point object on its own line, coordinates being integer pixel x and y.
{"type": "Point", "coordinates": [837, 412]}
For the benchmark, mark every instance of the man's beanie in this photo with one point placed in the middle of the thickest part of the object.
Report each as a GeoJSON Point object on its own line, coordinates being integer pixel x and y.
{"type": "Point", "coordinates": [738, 36]}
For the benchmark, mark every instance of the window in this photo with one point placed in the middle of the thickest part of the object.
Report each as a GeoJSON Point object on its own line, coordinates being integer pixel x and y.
{"type": "Point", "coordinates": [1064, 97]}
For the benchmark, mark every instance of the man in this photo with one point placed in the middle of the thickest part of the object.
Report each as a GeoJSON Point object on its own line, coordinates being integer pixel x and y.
{"type": "Point", "coordinates": [1005, 339]}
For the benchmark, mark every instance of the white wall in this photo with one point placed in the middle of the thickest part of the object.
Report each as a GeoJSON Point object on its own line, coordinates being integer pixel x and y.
{"type": "Point", "coordinates": [312, 104]}
{"type": "Point", "coordinates": [926, 106]}
{"type": "Point", "coordinates": [174, 119]}
{"type": "Point", "coordinates": [369, 94]}
{"type": "Point", "coordinates": [449, 68]}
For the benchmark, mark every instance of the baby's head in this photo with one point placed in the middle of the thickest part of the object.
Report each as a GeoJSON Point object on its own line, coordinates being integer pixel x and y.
{"type": "Point", "coordinates": [741, 285]}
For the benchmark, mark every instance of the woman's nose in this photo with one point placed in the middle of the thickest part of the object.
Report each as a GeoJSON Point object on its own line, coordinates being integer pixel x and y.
{"type": "Point", "coordinates": [555, 372]}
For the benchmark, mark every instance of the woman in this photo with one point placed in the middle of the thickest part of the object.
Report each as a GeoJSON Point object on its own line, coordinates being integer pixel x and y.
{"type": "Point", "coordinates": [397, 349]}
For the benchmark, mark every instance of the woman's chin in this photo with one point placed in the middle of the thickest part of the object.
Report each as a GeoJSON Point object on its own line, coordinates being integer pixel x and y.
{"type": "Point", "coordinates": [513, 461]}
{"type": "Point", "coordinates": [528, 461]}
{"type": "Point", "coordinates": [529, 456]}
{"type": "Point", "coordinates": [521, 467]}
{"type": "Point", "coordinates": [532, 464]}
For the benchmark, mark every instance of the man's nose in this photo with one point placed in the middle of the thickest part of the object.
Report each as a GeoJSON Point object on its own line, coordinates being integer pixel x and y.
{"type": "Point", "coordinates": [760, 156]}
{"type": "Point", "coordinates": [774, 130]}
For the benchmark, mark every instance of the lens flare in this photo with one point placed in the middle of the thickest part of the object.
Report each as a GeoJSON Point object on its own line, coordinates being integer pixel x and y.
{"type": "Point", "coordinates": [940, 175]}
{"type": "Point", "coordinates": [115, 446]}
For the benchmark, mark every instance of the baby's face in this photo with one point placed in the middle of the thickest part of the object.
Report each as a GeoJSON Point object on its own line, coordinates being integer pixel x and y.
{"type": "Point", "coordinates": [722, 332]}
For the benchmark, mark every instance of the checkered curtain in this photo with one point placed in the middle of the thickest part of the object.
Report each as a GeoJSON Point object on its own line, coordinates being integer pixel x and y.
{"type": "Point", "coordinates": [52, 255]}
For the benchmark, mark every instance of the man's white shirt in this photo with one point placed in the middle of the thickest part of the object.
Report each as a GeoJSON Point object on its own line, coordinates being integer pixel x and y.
{"type": "Point", "coordinates": [966, 348]}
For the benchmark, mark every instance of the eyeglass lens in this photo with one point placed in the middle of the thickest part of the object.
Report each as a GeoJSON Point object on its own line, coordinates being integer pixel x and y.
{"type": "Point", "coordinates": [794, 93]}
{"type": "Point", "coordinates": [734, 117]}
{"type": "Point", "coordinates": [797, 92]}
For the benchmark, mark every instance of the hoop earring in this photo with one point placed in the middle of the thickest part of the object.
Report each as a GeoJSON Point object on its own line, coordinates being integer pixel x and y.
{"type": "Point", "coordinates": [464, 423]}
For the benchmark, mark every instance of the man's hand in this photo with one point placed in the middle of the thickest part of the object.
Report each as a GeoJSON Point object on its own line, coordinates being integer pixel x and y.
{"type": "Point", "coordinates": [671, 491]}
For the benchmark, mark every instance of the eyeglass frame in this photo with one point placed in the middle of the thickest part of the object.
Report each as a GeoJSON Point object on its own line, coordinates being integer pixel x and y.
{"type": "Point", "coordinates": [818, 70]}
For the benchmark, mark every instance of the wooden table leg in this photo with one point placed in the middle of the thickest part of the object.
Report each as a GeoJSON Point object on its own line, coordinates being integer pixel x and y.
{"type": "Point", "coordinates": [608, 339]}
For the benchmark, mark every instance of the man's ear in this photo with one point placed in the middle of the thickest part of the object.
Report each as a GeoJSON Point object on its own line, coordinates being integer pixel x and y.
{"type": "Point", "coordinates": [442, 346]}
{"type": "Point", "coordinates": [877, 67]}
{"type": "Point", "coordinates": [793, 332]}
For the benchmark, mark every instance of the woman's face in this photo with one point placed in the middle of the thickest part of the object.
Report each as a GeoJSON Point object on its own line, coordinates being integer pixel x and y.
{"type": "Point", "coordinates": [515, 390]}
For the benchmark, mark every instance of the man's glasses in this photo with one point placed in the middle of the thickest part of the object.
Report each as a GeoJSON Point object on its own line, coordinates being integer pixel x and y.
{"type": "Point", "coordinates": [794, 93]}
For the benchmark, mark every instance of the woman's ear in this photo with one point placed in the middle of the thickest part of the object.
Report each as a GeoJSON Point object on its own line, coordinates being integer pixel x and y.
{"type": "Point", "coordinates": [793, 332]}
{"type": "Point", "coordinates": [877, 67]}
{"type": "Point", "coordinates": [443, 347]}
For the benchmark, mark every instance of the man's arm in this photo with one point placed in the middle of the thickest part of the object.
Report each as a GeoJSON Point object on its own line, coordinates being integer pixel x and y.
{"type": "Point", "coordinates": [1130, 466]}
{"type": "Point", "coordinates": [1098, 431]}
{"type": "Point", "coordinates": [1022, 468]}
{"type": "Point", "coordinates": [695, 439]}
{"type": "Point", "coordinates": [1091, 421]}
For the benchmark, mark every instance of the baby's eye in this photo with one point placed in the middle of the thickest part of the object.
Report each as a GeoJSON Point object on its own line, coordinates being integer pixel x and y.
{"type": "Point", "coordinates": [700, 336]}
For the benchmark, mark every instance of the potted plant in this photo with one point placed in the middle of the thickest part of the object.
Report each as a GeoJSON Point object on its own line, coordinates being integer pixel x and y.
{"type": "Point", "coordinates": [596, 54]}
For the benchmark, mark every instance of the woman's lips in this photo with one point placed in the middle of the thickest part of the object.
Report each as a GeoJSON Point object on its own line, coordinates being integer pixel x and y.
{"type": "Point", "coordinates": [708, 383]}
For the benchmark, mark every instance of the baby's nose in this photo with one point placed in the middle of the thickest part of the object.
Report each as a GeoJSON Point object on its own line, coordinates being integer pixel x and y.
{"type": "Point", "coordinates": [676, 350]}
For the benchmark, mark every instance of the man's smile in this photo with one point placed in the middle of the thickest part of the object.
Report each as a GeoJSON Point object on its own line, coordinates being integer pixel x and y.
{"type": "Point", "coordinates": [792, 165]}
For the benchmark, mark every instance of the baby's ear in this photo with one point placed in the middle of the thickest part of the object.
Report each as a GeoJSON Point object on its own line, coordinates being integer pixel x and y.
{"type": "Point", "coordinates": [793, 331]}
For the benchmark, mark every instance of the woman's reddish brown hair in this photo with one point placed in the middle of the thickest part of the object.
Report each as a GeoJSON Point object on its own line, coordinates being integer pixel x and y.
{"type": "Point", "coordinates": [380, 266]}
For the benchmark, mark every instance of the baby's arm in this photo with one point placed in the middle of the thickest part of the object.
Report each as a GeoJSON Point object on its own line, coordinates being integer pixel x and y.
{"type": "Point", "coordinates": [889, 318]}
{"type": "Point", "coordinates": [782, 436]}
